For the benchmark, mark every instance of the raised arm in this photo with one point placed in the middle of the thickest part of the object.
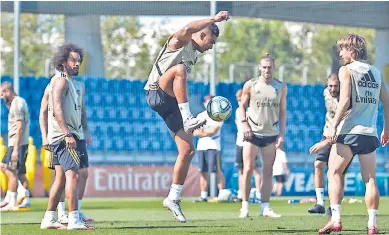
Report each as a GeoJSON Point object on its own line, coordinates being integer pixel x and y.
{"type": "Point", "coordinates": [184, 35]}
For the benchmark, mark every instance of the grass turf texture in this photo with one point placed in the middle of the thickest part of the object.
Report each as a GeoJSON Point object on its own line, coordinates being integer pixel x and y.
{"type": "Point", "coordinates": [116, 216]}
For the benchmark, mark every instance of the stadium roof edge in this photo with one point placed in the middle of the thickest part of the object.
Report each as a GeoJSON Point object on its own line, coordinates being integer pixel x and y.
{"type": "Point", "coordinates": [358, 14]}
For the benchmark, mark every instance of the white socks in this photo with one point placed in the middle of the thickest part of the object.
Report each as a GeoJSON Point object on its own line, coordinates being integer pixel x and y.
{"type": "Point", "coordinates": [175, 191]}
{"type": "Point", "coordinates": [335, 209]}
{"type": "Point", "coordinates": [12, 198]}
{"type": "Point", "coordinates": [185, 111]}
{"type": "Point", "coordinates": [49, 215]}
{"type": "Point", "coordinates": [258, 194]}
{"type": "Point", "coordinates": [264, 205]}
{"type": "Point", "coordinates": [245, 205]}
{"type": "Point", "coordinates": [73, 216]}
{"type": "Point", "coordinates": [320, 196]}
{"type": "Point", "coordinates": [204, 194]}
{"type": "Point", "coordinates": [372, 217]}
{"type": "Point", "coordinates": [61, 209]}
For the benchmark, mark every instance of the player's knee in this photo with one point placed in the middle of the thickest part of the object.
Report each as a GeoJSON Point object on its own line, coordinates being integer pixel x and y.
{"type": "Point", "coordinates": [181, 71]}
{"type": "Point", "coordinates": [3, 166]}
{"type": "Point", "coordinates": [188, 152]}
{"type": "Point", "coordinates": [84, 174]}
{"type": "Point", "coordinates": [248, 169]}
{"type": "Point", "coordinates": [319, 165]}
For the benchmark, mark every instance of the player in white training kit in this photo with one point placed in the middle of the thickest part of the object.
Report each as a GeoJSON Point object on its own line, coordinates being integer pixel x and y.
{"type": "Point", "coordinates": [166, 92]}
{"type": "Point", "coordinates": [354, 130]}
{"type": "Point", "coordinates": [265, 98]}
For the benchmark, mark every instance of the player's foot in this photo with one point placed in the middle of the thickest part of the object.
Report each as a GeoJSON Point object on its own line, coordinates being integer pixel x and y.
{"type": "Point", "coordinates": [268, 212]}
{"type": "Point", "coordinates": [200, 199]}
{"type": "Point", "coordinates": [193, 123]}
{"type": "Point", "coordinates": [331, 227]}
{"type": "Point", "coordinates": [328, 212]}
{"type": "Point", "coordinates": [51, 224]}
{"type": "Point", "coordinates": [9, 208]}
{"type": "Point", "coordinates": [20, 200]}
{"type": "Point", "coordinates": [25, 204]}
{"type": "Point", "coordinates": [372, 230]}
{"type": "Point", "coordinates": [174, 207]}
{"type": "Point", "coordinates": [3, 204]}
{"type": "Point", "coordinates": [63, 219]}
{"type": "Point", "coordinates": [79, 225]}
{"type": "Point", "coordinates": [317, 209]}
{"type": "Point", "coordinates": [244, 213]}
{"type": "Point", "coordinates": [85, 218]}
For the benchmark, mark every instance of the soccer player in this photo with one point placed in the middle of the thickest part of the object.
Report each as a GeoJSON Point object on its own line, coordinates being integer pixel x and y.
{"type": "Point", "coordinates": [64, 133]}
{"type": "Point", "coordinates": [280, 171]}
{"type": "Point", "coordinates": [208, 150]}
{"type": "Point", "coordinates": [354, 129]}
{"type": "Point", "coordinates": [265, 98]}
{"type": "Point", "coordinates": [239, 156]}
{"type": "Point", "coordinates": [167, 95]}
{"type": "Point", "coordinates": [83, 172]}
{"type": "Point", "coordinates": [323, 148]}
{"type": "Point", "coordinates": [14, 162]}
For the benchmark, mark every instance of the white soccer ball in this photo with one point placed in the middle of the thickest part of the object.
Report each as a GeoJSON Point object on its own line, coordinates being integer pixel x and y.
{"type": "Point", "coordinates": [219, 108]}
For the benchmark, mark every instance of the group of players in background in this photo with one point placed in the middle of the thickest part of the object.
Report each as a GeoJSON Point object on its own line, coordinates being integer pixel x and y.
{"type": "Point", "coordinates": [352, 100]}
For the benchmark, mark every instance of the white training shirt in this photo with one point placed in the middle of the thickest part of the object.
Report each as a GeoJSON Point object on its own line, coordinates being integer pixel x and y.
{"type": "Point", "coordinates": [209, 142]}
{"type": "Point", "coordinates": [278, 166]}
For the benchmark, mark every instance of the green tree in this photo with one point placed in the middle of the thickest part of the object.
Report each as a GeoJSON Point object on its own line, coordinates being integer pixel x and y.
{"type": "Point", "coordinates": [323, 50]}
{"type": "Point", "coordinates": [39, 37]}
{"type": "Point", "coordinates": [127, 52]}
{"type": "Point", "coordinates": [245, 40]}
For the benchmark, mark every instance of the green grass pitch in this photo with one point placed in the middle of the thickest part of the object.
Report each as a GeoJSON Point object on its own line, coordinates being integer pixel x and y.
{"type": "Point", "coordinates": [117, 216]}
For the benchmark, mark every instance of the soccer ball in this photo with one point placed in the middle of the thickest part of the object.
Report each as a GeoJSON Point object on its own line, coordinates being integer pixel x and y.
{"type": "Point", "coordinates": [219, 108]}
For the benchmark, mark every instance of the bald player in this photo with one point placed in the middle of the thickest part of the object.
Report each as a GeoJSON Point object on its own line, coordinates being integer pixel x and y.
{"type": "Point", "coordinates": [83, 172]}
{"type": "Point", "coordinates": [167, 95]}
{"type": "Point", "coordinates": [265, 98]}
{"type": "Point", "coordinates": [14, 162]}
{"type": "Point", "coordinates": [354, 130]}
{"type": "Point", "coordinates": [64, 134]}
{"type": "Point", "coordinates": [323, 148]}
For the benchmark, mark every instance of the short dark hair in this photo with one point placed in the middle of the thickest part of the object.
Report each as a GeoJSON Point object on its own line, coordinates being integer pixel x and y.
{"type": "Point", "coordinates": [63, 53]}
{"type": "Point", "coordinates": [267, 56]}
{"type": "Point", "coordinates": [333, 76]}
{"type": "Point", "coordinates": [214, 29]}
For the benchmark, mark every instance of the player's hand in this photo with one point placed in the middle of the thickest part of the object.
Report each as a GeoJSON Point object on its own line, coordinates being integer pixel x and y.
{"type": "Point", "coordinates": [316, 147]}
{"type": "Point", "coordinates": [222, 15]}
{"type": "Point", "coordinates": [45, 143]}
{"type": "Point", "coordinates": [280, 142]}
{"type": "Point", "coordinates": [70, 142]}
{"type": "Point", "coordinates": [88, 138]}
{"type": "Point", "coordinates": [14, 158]}
{"type": "Point", "coordinates": [331, 134]}
{"type": "Point", "coordinates": [384, 138]}
{"type": "Point", "coordinates": [247, 133]}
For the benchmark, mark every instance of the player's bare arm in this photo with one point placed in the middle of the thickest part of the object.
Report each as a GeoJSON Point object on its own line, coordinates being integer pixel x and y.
{"type": "Point", "coordinates": [344, 100]}
{"type": "Point", "coordinates": [43, 115]}
{"type": "Point", "coordinates": [184, 35]}
{"type": "Point", "coordinates": [282, 118]}
{"type": "Point", "coordinates": [84, 119]}
{"type": "Point", "coordinates": [245, 99]}
{"type": "Point", "coordinates": [384, 97]}
{"type": "Point", "coordinates": [59, 86]}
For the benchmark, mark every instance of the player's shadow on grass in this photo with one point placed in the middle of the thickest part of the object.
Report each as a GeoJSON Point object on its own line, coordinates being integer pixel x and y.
{"type": "Point", "coordinates": [167, 226]}
{"type": "Point", "coordinates": [345, 231]}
